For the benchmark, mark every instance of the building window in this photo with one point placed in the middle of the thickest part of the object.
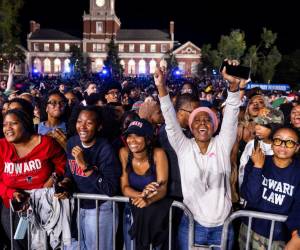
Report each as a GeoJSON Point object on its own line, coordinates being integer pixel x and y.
{"type": "Point", "coordinates": [67, 47]}
{"type": "Point", "coordinates": [131, 67]}
{"type": "Point", "coordinates": [99, 27]}
{"type": "Point", "coordinates": [142, 67]}
{"type": "Point", "coordinates": [142, 48]}
{"type": "Point", "coordinates": [47, 65]}
{"type": "Point", "coordinates": [56, 47]}
{"type": "Point", "coordinates": [181, 66]}
{"type": "Point", "coordinates": [164, 48]}
{"type": "Point", "coordinates": [18, 68]}
{"type": "Point", "coordinates": [153, 48]}
{"type": "Point", "coordinates": [194, 68]}
{"type": "Point", "coordinates": [131, 47]}
{"type": "Point", "coordinates": [37, 65]}
{"type": "Point", "coordinates": [46, 46]}
{"type": "Point", "coordinates": [36, 47]}
{"type": "Point", "coordinates": [67, 67]}
{"type": "Point", "coordinates": [152, 66]}
{"type": "Point", "coordinates": [57, 65]}
{"type": "Point", "coordinates": [121, 47]}
{"type": "Point", "coordinates": [99, 64]}
{"type": "Point", "coordinates": [98, 47]}
{"type": "Point", "coordinates": [122, 62]}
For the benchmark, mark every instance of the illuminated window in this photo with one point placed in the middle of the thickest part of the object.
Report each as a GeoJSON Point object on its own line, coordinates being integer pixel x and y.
{"type": "Point", "coordinates": [99, 27]}
{"type": "Point", "coordinates": [142, 67]}
{"type": "Point", "coordinates": [67, 47]}
{"type": "Point", "coordinates": [153, 48]}
{"type": "Point", "coordinates": [131, 47]}
{"type": "Point", "coordinates": [67, 67]}
{"type": "Point", "coordinates": [47, 65]}
{"type": "Point", "coordinates": [46, 46]}
{"type": "Point", "coordinates": [121, 47]}
{"type": "Point", "coordinates": [57, 65]}
{"type": "Point", "coordinates": [142, 48]}
{"type": "Point", "coordinates": [36, 47]}
{"type": "Point", "coordinates": [131, 67]}
{"type": "Point", "coordinates": [56, 47]}
{"type": "Point", "coordinates": [37, 65]}
{"type": "Point", "coordinates": [152, 66]}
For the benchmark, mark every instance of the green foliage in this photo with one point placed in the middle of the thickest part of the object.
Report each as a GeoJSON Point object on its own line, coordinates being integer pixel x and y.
{"type": "Point", "coordinates": [10, 52]}
{"type": "Point", "coordinates": [288, 71]}
{"type": "Point", "coordinates": [263, 58]}
{"type": "Point", "coordinates": [172, 62]}
{"type": "Point", "coordinates": [113, 61]}
{"type": "Point", "coordinates": [76, 60]}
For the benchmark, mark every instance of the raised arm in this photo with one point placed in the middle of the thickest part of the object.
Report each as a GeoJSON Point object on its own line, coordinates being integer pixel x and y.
{"type": "Point", "coordinates": [176, 137]}
{"type": "Point", "coordinates": [10, 80]}
{"type": "Point", "coordinates": [228, 130]}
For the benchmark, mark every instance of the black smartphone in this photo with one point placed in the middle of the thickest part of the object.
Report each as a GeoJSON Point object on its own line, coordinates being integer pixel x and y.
{"type": "Point", "coordinates": [19, 205]}
{"type": "Point", "coordinates": [256, 142]}
{"type": "Point", "coordinates": [59, 189]}
{"type": "Point", "coordinates": [237, 71]}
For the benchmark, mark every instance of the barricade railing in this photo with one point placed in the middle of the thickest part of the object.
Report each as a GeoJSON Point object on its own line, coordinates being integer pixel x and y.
{"type": "Point", "coordinates": [251, 214]}
{"type": "Point", "coordinates": [236, 215]}
{"type": "Point", "coordinates": [115, 199]}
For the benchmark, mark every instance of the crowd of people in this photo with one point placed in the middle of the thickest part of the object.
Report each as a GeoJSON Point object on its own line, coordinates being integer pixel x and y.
{"type": "Point", "coordinates": [211, 143]}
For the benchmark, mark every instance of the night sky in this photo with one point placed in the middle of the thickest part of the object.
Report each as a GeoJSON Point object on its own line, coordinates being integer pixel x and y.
{"type": "Point", "coordinates": [202, 24]}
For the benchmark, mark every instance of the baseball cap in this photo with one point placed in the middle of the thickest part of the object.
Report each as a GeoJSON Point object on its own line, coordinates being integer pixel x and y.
{"type": "Point", "coordinates": [140, 127]}
{"type": "Point", "coordinates": [268, 116]}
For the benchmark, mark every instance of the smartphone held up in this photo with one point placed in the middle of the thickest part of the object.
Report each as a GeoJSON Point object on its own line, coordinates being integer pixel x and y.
{"type": "Point", "coordinates": [237, 71]}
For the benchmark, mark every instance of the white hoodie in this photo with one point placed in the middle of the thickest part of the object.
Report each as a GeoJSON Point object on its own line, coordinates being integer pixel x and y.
{"type": "Point", "coordinates": [205, 178]}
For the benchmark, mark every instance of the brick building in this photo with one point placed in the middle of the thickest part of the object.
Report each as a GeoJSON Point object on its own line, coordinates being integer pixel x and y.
{"type": "Point", "coordinates": [140, 50]}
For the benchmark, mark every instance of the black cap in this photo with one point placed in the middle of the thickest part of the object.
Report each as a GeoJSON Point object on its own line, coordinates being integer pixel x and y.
{"type": "Point", "coordinates": [140, 127]}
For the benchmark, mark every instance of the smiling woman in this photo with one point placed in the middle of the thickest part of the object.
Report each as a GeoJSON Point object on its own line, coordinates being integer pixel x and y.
{"type": "Point", "coordinates": [92, 168]}
{"type": "Point", "coordinates": [27, 161]}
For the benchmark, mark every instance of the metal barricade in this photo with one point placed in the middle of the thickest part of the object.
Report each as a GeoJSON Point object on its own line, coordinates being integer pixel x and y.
{"type": "Point", "coordinates": [251, 214]}
{"type": "Point", "coordinates": [126, 200]}
{"type": "Point", "coordinates": [114, 200]}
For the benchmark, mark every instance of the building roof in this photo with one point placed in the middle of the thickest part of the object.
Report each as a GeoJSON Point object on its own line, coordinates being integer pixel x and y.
{"type": "Point", "coordinates": [142, 35]}
{"type": "Point", "coordinates": [51, 34]}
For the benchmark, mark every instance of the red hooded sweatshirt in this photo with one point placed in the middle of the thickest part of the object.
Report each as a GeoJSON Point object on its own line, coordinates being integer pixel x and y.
{"type": "Point", "coordinates": [30, 171]}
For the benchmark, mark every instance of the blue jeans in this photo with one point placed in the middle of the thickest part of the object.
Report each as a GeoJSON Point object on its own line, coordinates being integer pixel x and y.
{"type": "Point", "coordinates": [88, 228]}
{"type": "Point", "coordinates": [207, 236]}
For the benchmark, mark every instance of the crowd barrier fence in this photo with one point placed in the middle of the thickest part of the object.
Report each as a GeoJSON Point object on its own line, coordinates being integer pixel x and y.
{"type": "Point", "coordinates": [236, 215]}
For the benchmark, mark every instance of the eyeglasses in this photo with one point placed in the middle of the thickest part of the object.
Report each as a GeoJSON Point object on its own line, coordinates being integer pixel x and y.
{"type": "Point", "coordinates": [54, 103]}
{"type": "Point", "coordinates": [287, 143]}
{"type": "Point", "coordinates": [186, 111]}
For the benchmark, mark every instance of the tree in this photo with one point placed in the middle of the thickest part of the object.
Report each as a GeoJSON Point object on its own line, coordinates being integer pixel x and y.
{"type": "Point", "coordinates": [113, 61]}
{"type": "Point", "coordinates": [231, 47]}
{"type": "Point", "coordinates": [264, 57]}
{"type": "Point", "coordinates": [288, 69]}
{"type": "Point", "coordinates": [10, 51]}
{"type": "Point", "coordinates": [76, 60]}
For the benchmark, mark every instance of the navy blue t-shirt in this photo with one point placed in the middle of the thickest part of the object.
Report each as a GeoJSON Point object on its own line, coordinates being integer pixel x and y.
{"type": "Point", "coordinates": [104, 180]}
{"type": "Point", "coordinates": [273, 190]}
